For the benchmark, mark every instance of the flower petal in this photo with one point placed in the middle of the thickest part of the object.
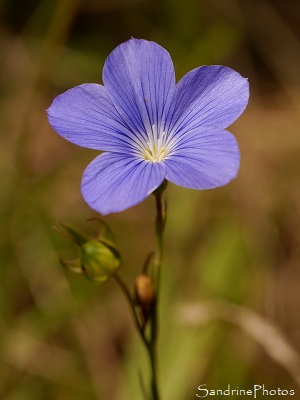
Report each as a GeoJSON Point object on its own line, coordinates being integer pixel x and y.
{"type": "Point", "coordinates": [114, 182]}
{"type": "Point", "coordinates": [85, 116]}
{"type": "Point", "coordinates": [209, 96]}
{"type": "Point", "coordinates": [140, 79]}
{"type": "Point", "coordinates": [204, 159]}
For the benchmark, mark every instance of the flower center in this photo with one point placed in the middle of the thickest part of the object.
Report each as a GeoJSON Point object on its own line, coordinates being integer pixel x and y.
{"type": "Point", "coordinates": [155, 150]}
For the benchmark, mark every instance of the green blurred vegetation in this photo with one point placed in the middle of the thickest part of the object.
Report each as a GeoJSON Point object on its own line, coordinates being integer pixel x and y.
{"type": "Point", "coordinates": [231, 298]}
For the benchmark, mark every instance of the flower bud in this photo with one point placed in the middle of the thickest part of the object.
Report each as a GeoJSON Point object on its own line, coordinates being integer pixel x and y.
{"type": "Point", "coordinates": [98, 260]}
{"type": "Point", "coordinates": [144, 294]}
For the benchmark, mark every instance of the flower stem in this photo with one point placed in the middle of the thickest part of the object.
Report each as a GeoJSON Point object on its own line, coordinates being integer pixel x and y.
{"type": "Point", "coordinates": [154, 385]}
{"type": "Point", "coordinates": [159, 229]}
{"type": "Point", "coordinates": [150, 341]}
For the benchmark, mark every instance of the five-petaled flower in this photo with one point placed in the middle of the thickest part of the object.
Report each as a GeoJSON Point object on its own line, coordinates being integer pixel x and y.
{"type": "Point", "coordinates": [150, 128]}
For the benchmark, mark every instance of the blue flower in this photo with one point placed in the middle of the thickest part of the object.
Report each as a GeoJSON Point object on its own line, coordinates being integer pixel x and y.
{"type": "Point", "coordinates": [150, 128]}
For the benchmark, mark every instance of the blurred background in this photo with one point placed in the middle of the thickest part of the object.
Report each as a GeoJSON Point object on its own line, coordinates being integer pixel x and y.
{"type": "Point", "coordinates": [231, 279]}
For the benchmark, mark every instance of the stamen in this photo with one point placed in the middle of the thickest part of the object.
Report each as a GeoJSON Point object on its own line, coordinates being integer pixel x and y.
{"type": "Point", "coordinates": [156, 149]}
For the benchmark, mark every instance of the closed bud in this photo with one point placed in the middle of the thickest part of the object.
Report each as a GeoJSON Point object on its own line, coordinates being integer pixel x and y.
{"type": "Point", "coordinates": [98, 260]}
{"type": "Point", "coordinates": [144, 293]}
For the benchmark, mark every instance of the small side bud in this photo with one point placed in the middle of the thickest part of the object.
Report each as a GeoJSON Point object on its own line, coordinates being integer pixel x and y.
{"type": "Point", "coordinates": [98, 260]}
{"type": "Point", "coordinates": [144, 294]}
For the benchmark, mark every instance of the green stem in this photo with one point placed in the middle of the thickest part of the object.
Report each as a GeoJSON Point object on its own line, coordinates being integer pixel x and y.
{"type": "Point", "coordinates": [151, 342]}
{"type": "Point", "coordinates": [154, 385]}
{"type": "Point", "coordinates": [150, 346]}
{"type": "Point", "coordinates": [159, 229]}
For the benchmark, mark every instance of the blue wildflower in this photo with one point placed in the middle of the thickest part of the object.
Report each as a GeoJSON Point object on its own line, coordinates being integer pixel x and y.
{"type": "Point", "coordinates": [150, 128]}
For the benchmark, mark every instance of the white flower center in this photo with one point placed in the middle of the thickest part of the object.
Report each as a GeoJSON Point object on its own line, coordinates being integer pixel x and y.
{"type": "Point", "coordinates": [156, 149]}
